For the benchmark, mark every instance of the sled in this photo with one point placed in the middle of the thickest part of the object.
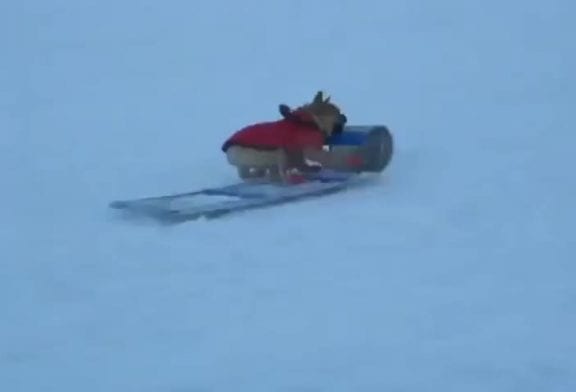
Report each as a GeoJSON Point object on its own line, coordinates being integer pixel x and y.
{"type": "Point", "coordinates": [374, 143]}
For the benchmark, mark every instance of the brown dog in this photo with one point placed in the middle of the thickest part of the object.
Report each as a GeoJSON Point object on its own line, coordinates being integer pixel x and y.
{"type": "Point", "coordinates": [281, 147]}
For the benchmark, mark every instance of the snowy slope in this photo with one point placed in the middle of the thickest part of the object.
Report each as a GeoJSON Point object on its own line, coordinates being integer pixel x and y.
{"type": "Point", "coordinates": [454, 273]}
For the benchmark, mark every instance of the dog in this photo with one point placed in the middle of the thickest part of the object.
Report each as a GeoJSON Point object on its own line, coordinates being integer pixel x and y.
{"type": "Point", "coordinates": [279, 150]}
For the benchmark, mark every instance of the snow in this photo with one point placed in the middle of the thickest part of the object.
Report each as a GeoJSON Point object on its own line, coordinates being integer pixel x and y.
{"type": "Point", "coordinates": [455, 272]}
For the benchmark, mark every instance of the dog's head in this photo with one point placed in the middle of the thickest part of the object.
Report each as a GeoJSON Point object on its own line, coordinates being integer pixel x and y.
{"type": "Point", "coordinates": [326, 115]}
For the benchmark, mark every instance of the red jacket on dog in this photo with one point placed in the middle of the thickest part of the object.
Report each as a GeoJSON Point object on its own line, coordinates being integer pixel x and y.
{"type": "Point", "coordinates": [295, 131]}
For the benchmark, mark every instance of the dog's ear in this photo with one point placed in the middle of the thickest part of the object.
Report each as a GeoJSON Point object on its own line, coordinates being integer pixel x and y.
{"type": "Point", "coordinates": [318, 97]}
{"type": "Point", "coordinates": [285, 110]}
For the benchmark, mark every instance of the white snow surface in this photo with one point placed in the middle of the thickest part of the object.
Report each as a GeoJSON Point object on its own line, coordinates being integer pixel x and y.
{"type": "Point", "coordinates": [454, 272]}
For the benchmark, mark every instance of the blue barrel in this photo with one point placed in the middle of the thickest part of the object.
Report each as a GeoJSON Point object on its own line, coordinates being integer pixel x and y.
{"type": "Point", "coordinates": [373, 142]}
